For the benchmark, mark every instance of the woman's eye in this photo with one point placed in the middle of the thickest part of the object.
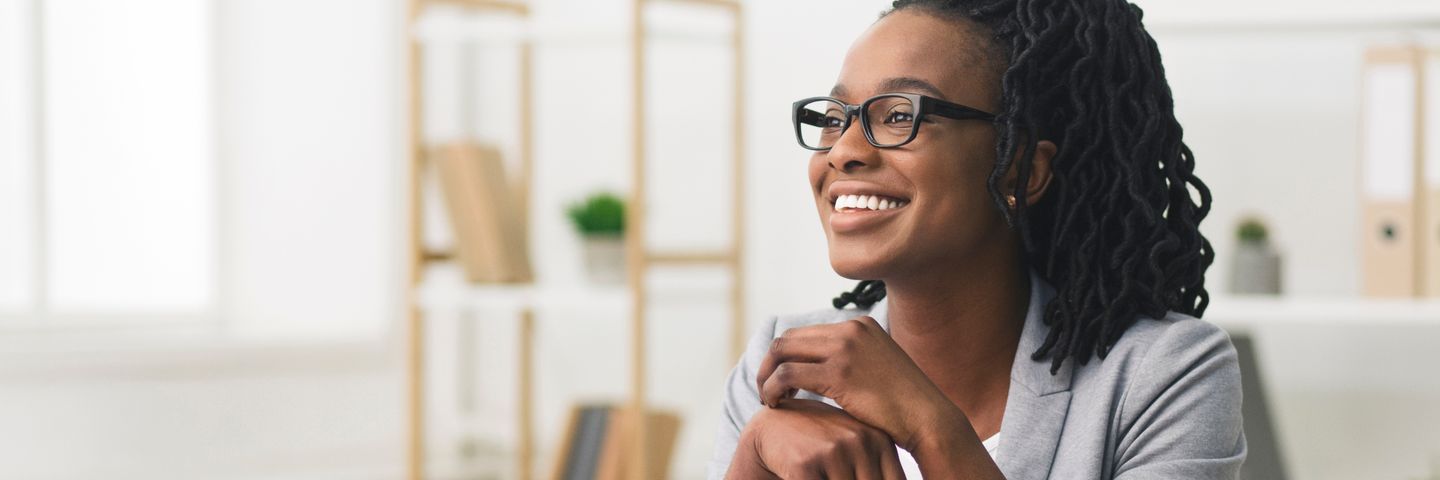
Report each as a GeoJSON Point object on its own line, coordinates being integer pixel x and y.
{"type": "Point", "coordinates": [833, 122]}
{"type": "Point", "coordinates": [898, 117]}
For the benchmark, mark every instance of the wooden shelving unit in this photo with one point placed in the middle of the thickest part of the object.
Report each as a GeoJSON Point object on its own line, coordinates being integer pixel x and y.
{"type": "Point", "coordinates": [419, 256]}
{"type": "Point", "coordinates": [639, 258]}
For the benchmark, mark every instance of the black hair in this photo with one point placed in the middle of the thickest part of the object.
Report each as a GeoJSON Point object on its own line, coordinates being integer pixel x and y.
{"type": "Point", "coordinates": [1117, 233]}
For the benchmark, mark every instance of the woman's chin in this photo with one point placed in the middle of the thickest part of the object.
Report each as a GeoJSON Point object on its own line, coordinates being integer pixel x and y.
{"type": "Point", "coordinates": [857, 267]}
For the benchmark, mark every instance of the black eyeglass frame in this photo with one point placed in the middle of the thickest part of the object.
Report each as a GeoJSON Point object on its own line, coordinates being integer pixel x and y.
{"type": "Point", "coordinates": [924, 105]}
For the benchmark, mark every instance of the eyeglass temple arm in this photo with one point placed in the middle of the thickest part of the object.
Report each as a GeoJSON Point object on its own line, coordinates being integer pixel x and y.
{"type": "Point", "coordinates": [957, 111]}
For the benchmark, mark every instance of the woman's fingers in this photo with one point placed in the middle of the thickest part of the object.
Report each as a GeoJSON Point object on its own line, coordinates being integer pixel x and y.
{"type": "Point", "coordinates": [805, 439]}
{"type": "Point", "coordinates": [815, 344]}
{"type": "Point", "coordinates": [839, 470]}
{"type": "Point", "coordinates": [803, 344]}
{"type": "Point", "coordinates": [875, 458]}
{"type": "Point", "coordinates": [842, 462]}
{"type": "Point", "coordinates": [881, 462]}
{"type": "Point", "coordinates": [792, 376]}
{"type": "Point", "coordinates": [867, 463]}
{"type": "Point", "coordinates": [890, 464]}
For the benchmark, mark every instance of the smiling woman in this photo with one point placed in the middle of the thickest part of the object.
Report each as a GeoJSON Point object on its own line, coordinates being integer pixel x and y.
{"type": "Point", "coordinates": [1036, 271]}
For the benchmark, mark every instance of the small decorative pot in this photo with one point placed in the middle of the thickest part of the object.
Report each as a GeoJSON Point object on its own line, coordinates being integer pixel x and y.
{"type": "Point", "coordinates": [1256, 269]}
{"type": "Point", "coordinates": [605, 259]}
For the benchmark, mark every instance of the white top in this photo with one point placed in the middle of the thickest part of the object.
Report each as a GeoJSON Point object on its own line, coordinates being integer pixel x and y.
{"type": "Point", "coordinates": [912, 469]}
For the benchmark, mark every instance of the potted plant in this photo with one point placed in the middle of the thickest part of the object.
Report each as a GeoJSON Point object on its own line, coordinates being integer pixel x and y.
{"type": "Point", "coordinates": [600, 219]}
{"type": "Point", "coordinates": [1256, 267]}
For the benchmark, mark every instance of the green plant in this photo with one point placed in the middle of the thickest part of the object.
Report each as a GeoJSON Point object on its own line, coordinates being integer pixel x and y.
{"type": "Point", "coordinates": [1252, 230]}
{"type": "Point", "coordinates": [602, 213]}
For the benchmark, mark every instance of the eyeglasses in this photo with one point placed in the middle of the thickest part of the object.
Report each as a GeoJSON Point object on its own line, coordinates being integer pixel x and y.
{"type": "Point", "coordinates": [889, 119]}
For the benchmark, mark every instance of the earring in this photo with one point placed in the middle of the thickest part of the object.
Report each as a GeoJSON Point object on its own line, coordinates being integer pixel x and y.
{"type": "Point", "coordinates": [1010, 200]}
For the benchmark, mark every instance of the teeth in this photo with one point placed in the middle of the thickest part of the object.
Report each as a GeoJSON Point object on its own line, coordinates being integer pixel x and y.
{"type": "Point", "coordinates": [869, 202]}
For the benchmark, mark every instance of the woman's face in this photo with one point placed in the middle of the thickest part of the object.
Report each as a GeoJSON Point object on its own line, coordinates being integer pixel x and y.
{"type": "Point", "coordinates": [947, 217]}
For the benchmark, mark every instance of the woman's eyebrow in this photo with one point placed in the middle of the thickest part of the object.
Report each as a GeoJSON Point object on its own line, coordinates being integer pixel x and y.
{"type": "Point", "coordinates": [910, 83]}
{"type": "Point", "coordinates": [897, 84]}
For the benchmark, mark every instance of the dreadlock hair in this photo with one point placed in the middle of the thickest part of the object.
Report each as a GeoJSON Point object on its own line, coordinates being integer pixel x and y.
{"type": "Point", "coordinates": [1117, 234]}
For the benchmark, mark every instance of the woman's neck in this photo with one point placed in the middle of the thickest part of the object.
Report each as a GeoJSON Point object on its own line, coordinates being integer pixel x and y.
{"type": "Point", "coordinates": [963, 331]}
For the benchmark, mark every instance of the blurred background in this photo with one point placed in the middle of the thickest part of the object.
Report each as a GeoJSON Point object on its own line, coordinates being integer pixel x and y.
{"type": "Point", "coordinates": [380, 239]}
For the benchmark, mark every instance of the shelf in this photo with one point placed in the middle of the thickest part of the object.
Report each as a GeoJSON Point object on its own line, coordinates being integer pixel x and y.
{"type": "Point", "coordinates": [1244, 312]}
{"type": "Point", "coordinates": [517, 8]}
{"type": "Point", "coordinates": [444, 287]}
{"type": "Point", "coordinates": [1277, 17]}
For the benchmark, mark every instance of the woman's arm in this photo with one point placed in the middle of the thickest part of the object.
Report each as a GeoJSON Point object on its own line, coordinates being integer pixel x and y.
{"type": "Point", "coordinates": [741, 401]}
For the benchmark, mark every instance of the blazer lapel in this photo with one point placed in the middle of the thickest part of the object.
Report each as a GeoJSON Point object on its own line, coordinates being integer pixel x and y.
{"type": "Point", "coordinates": [1038, 402]}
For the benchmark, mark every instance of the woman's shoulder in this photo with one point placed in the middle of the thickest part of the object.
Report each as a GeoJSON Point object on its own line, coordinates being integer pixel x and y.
{"type": "Point", "coordinates": [1156, 357]}
{"type": "Point", "coordinates": [1174, 338]}
{"type": "Point", "coordinates": [1170, 394]}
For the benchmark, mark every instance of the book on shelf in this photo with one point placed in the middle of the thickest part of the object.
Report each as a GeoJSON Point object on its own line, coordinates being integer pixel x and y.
{"type": "Point", "coordinates": [484, 211]}
{"type": "Point", "coordinates": [599, 442]}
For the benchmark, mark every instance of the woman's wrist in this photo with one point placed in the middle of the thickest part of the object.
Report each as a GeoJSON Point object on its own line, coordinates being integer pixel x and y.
{"type": "Point", "coordinates": [948, 447]}
{"type": "Point", "coordinates": [942, 429]}
{"type": "Point", "coordinates": [746, 462]}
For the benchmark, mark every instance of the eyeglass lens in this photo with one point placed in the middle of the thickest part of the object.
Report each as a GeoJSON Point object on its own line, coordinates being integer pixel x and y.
{"type": "Point", "coordinates": [891, 120]}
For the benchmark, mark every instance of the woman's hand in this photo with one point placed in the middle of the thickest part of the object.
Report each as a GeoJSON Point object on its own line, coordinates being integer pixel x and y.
{"type": "Point", "coordinates": [857, 364]}
{"type": "Point", "coordinates": [805, 439]}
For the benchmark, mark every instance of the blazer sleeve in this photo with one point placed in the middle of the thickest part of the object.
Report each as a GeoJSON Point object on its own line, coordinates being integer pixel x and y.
{"type": "Point", "coordinates": [741, 400]}
{"type": "Point", "coordinates": [1182, 408]}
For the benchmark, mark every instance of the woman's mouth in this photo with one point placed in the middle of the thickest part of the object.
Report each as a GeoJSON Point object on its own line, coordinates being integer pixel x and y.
{"type": "Point", "coordinates": [857, 203]}
{"type": "Point", "coordinates": [859, 213]}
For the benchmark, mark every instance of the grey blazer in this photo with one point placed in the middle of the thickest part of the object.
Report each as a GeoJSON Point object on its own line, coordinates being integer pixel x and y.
{"type": "Point", "coordinates": [1164, 404]}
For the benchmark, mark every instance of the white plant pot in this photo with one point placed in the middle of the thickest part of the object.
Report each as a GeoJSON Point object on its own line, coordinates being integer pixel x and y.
{"type": "Point", "coordinates": [1256, 269]}
{"type": "Point", "coordinates": [605, 259]}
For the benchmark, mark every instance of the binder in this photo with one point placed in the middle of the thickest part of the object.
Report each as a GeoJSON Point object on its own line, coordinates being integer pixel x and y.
{"type": "Point", "coordinates": [1428, 208]}
{"type": "Point", "coordinates": [1389, 174]}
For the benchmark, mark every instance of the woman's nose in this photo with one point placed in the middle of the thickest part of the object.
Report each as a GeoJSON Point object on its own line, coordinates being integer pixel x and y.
{"type": "Point", "coordinates": [852, 151]}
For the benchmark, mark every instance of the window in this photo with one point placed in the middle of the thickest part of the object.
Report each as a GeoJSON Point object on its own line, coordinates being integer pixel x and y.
{"type": "Point", "coordinates": [107, 162]}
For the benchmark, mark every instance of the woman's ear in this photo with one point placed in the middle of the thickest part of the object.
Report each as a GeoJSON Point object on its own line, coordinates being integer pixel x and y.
{"type": "Point", "coordinates": [1040, 172]}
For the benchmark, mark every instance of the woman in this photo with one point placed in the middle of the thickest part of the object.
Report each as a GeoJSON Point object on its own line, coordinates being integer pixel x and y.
{"type": "Point", "coordinates": [1009, 177]}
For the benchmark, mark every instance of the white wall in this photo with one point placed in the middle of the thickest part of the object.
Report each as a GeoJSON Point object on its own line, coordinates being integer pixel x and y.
{"type": "Point", "coordinates": [308, 122]}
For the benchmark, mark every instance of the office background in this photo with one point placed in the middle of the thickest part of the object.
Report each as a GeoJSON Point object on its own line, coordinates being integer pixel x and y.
{"type": "Point", "coordinates": [202, 270]}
